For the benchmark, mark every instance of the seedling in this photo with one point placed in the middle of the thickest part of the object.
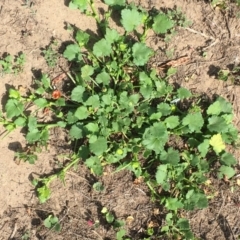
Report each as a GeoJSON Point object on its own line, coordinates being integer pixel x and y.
{"type": "Point", "coordinates": [10, 64]}
{"type": "Point", "coordinates": [50, 54]}
{"type": "Point", "coordinates": [52, 222]}
{"type": "Point", "coordinates": [230, 75]}
{"type": "Point", "coordinates": [120, 235]}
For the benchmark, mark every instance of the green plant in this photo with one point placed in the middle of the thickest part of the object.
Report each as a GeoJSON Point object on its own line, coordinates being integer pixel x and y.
{"type": "Point", "coordinates": [26, 236]}
{"type": "Point", "coordinates": [121, 112]}
{"type": "Point", "coordinates": [120, 235]}
{"type": "Point", "coordinates": [50, 54]}
{"type": "Point", "coordinates": [10, 64]}
{"type": "Point", "coordinates": [230, 75]}
{"type": "Point", "coordinates": [52, 222]}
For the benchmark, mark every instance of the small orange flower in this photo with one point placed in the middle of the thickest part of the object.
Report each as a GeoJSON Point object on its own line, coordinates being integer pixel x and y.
{"type": "Point", "coordinates": [56, 94]}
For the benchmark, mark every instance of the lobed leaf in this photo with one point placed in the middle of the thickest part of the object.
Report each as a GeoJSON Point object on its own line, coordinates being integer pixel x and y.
{"type": "Point", "coordinates": [194, 121]}
{"type": "Point", "coordinates": [82, 38]}
{"type": "Point", "coordinates": [102, 48]}
{"type": "Point", "coordinates": [219, 106]}
{"type": "Point", "coordinates": [162, 23]}
{"type": "Point", "coordinates": [161, 174]}
{"type": "Point", "coordinates": [131, 19]}
{"type": "Point", "coordinates": [95, 164]}
{"type": "Point", "coordinates": [73, 52]}
{"type": "Point", "coordinates": [183, 93]}
{"type": "Point", "coordinates": [228, 159]}
{"type": "Point", "coordinates": [217, 124]}
{"type": "Point", "coordinates": [229, 172]}
{"type": "Point", "coordinates": [172, 122]}
{"type": "Point", "coordinates": [14, 108]}
{"type": "Point", "coordinates": [141, 53]}
{"type": "Point", "coordinates": [173, 204]}
{"type": "Point", "coordinates": [99, 146]}
{"type": "Point", "coordinates": [77, 94]}
{"type": "Point", "coordinates": [115, 2]}
{"type": "Point", "coordinates": [170, 157]}
{"type": "Point", "coordinates": [217, 143]}
{"type": "Point", "coordinates": [155, 137]}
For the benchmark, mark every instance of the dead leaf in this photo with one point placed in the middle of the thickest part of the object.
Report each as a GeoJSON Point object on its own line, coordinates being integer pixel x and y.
{"type": "Point", "coordinates": [129, 219]}
{"type": "Point", "coordinates": [238, 181]}
{"type": "Point", "coordinates": [156, 211]}
{"type": "Point", "coordinates": [153, 224]}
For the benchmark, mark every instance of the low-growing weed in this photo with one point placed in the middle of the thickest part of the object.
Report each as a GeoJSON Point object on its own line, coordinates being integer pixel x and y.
{"type": "Point", "coordinates": [51, 54]}
{"type": "Point", "coordinates": [117, 224]}
{"type": "Point", "coordinates": [230, 75]}
{"type": "Point", "coordinates": [12, 64]}
{"type": "Point", "coordinates": [120, 112]}
{"type": "Point", "coordinates": [52, 222]}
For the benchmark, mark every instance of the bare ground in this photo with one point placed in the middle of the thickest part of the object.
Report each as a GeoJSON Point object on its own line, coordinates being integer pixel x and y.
{"type": "Point", "coordinates": [211, 43]}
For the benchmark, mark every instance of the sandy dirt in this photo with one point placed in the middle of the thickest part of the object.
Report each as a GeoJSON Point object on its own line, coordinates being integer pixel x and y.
{"type": "Point", "coordinates": [211, 42]}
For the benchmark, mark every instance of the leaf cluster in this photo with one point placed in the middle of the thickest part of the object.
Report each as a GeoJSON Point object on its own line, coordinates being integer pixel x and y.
{"type": "Point", "coordinates": [121, 112]}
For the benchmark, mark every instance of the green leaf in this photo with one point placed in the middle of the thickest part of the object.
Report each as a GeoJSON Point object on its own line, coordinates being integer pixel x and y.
{"type": "Point", "coordinates": [33, 136]}
{"type": "Point", "coordinates": [103, 77]}
{"type": "Point", "coordinates": [219, 106]}
{"type": "Point", "coordinates": [217, 124]}
{"type": "Point", "coordinates": [172, 122]}
{"type": "Point", "coordinates": [86, 72]}
{"type": "Point", "coordinates": [71, 118]}
{"type": "Point", "coordinates": [14, 93]}
{"type": "Point", "coordinates": [46, 81]}
{"type": "Point", "coordinates": [43, 194]}
{"type": "Point", "coordinates": [141, 54]}
{"type": "Point", "coordinates": [109, 217]}
{"type": "Point", "coordinates": [95, 164]}
{"type": "Point", "coordinates": [92, 127]}
{"type": "Point", "coordinates": [228, 159]}
{"type": "Point", "coordinates": [61, 124]}
{"type": "Point", "coordinates": [217, 143]}
{"type": "Point", "coordinates": [155, 137]}
{"type": "Point", "coordinates": [173, 204]}
{"type": "Point", "coordinates": [194, 121]}
{"type": "Point", "coordinates": [195, 200]}
{"type": "Point", "coordinates": [98, 186]}
{"type": "Point", "coordinates": [227, 171]}
{"type": "Point", "coordinates": [131, 19]}
{"type": "Point", "coordinates": [81, 113]}
{"type": "Point", "coordinates": [32, 123]}
{"type": "Point", "coordinates": [77, 94]}
{"type": "Point", "coordinates": [171, 156]}
{"type": "Point", "coordinates": [20, 121]}
{"type": "Point", "coordinates": [80, 4]}
{"type": "Point", "coordinates": [183, 93]}
{"type": "Point", "coordinates": [155, 116]}
{"type": "Point", "coordinates": [76, 131]}
{"type": "Point", "coordinates": [115, 2]}
{"type": "Point", "coordinates": [102, 48]}
{"type": "Point", "coordinates": [161, 174]}
{"type": "Point", "coordinates": [203, 147]}
{"type": "Point", "coordinates": [82, 38]}
{"type": "Point", "coordinates": [120, 234]}
{"type": "Point", "coordinates": [112, 35]}
{"type": "Point", "coordinates": [164, 108]}
{"type": "Point", "coordinates": [73, 52]}
{"type": "Point", "coordinates": [41, 102]}
{"type": "Point", "coordinates": [162, 23]}
{"type": "Point", "coordinates": [99, 146]}
{"type": "Point", "coordinates": [93, 101]}
{"type": "Point", "coordinates": [183, 224]}
{"type": "Point", "coordinates": [14, 108]}
{"type": "Point", "coordinates": [107, 99]}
